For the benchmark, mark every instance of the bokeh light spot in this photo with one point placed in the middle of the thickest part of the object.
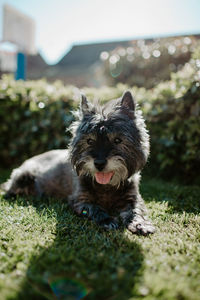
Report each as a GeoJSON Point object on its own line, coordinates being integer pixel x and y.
{"type": "Point", "coordinates": [122, 52]}
{"type": "Point", "coordinates": [198, 63]}
{"type": "Point", "coordinates": [156, 53]}
{"type": "Point", "coordinates": [171, 49]}
{"type": "Point", "coordinates": [114, 59]}
{"type": "Point", "coordinates": [130, 58]}
{"type": "Point", "coordinates": [187, 40]}
{"type": "Point", "coordinates": [130, 50]}
{"type": "Point", "coordinates": [146, 55]}
{"type": "Point", "coordinates": [184, 49]}
{"type": "Point", "coordinates": [41, 105]}
{"type": "Point", "coordinates": [116, 69]}
{"type": "Point", "coordinates": [66, 288]}
{"type": "Point", "coordinates": [104, 55]}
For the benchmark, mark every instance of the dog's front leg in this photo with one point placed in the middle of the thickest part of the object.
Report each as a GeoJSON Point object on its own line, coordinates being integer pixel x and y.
{"type": "Point", "coordinates": [134, 216]}
{"type": "Point", "coordinates": [96, 214]}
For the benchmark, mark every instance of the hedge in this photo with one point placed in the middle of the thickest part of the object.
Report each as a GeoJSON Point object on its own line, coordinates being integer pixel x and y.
{"type": "Point", "coordinates": [34, 117]}
{"type": "Point", "coordinates": [174, 123]}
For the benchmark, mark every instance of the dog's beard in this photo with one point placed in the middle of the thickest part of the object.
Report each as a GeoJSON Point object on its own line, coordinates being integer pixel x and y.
{"type": "Point", "coordinates": [115, 165]}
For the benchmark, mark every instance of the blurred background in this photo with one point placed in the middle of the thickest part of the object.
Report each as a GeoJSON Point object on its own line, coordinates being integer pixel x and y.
{"type": "Point", "coordinates": [102, 47]}
{"type": "Point", "coordinates": [93, 43]}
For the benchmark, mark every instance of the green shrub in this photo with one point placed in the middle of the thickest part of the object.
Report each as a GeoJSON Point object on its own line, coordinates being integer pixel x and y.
{"type": "Point", "coordinates": [175, 135]}
{"type": "Point", "coordinates": [174, 122]}
{"type": "Point", "coordinates": [34, 116]}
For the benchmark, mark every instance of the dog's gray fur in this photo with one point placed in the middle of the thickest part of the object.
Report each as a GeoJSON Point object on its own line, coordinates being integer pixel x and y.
{"type": "Point", "coordinates": [110, 139]}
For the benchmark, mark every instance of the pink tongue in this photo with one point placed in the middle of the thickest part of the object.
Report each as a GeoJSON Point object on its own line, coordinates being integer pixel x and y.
{"type": "Point", "coordinates": [103, 178]}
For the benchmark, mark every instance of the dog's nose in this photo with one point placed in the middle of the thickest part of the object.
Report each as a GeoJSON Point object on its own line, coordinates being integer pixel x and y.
{"type": "Point", "coordinates": [100, 163]}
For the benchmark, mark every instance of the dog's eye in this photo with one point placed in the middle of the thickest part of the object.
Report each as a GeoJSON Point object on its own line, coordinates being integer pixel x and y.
{"type": "Point", "coordinates": [117, 140]}
{"type": "Point", "coordinates": [90, 142]}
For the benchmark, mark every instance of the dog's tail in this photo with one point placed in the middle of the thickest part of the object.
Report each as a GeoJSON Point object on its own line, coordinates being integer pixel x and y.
{"type": "Point", "coordinates": [3, 187]}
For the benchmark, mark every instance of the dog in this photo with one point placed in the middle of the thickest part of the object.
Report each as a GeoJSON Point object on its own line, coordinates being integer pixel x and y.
{"type": "Point", "coordinates": [100, 172]}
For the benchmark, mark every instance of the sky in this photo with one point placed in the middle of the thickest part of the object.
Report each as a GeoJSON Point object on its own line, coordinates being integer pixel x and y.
{"type": "Point", "coordinates": [62, 23]}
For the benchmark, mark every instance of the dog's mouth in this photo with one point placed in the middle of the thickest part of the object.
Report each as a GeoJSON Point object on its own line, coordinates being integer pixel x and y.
{"type": "Point", "coordinates": [103, 178]}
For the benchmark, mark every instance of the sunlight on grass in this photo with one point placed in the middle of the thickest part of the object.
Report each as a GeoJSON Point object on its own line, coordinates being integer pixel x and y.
{"type": "Point", "coordinates": [45, 249]}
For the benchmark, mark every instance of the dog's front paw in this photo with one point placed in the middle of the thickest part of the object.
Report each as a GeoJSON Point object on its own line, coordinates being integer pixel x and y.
{"type": "Point", "coordinates": [141, 226]}
{"type": "Point", "coordinates": [109, 224]}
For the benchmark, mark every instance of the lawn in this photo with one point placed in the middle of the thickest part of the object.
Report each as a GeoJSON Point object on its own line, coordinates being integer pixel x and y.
{"type": "Point", "coordinates": [47, 252]}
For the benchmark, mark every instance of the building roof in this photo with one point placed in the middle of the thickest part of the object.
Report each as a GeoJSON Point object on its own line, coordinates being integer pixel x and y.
{"type": "Point", "coordinates": [87, 54]}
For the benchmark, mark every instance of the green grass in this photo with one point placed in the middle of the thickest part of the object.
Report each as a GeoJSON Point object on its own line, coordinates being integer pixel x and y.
{"type": "Point", "coordinates": [44, 246]}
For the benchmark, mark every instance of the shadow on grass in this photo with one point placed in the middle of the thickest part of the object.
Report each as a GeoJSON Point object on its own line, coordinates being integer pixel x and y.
{"type": "Point", "coordinates": [179, 198]}
{"type": "Point", "coordinates": [83, 261]}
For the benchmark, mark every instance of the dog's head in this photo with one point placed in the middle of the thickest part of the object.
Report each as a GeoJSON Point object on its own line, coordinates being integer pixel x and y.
{"type": "Point", "coordinates": [110, 142]}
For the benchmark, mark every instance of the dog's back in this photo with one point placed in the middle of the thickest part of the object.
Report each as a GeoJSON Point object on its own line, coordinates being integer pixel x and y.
{"type": "Point", "coordinates": [46, 174]}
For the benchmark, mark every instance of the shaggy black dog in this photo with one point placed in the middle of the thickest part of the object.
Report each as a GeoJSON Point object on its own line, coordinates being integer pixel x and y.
{"type": "Point", "coordinates": [100, 172]}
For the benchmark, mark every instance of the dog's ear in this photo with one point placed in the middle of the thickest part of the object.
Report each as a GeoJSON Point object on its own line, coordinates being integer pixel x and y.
{"type": "Point", "coordinates": [127, 101]}
{"type": "Point", "coordinates": [86, 106]}
{"type": "Point", "coordinates": [127, 105]}
{"type": "Point", "coordinates": [84, 103]}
